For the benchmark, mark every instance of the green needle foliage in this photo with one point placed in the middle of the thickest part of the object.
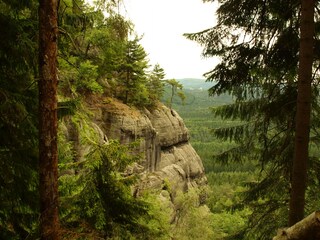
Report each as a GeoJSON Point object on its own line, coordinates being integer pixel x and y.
{"type": "Point", "coordinates": [257, 42]}
{"type": "Point", "coordinates": [97, 58]}
{"type": "Point", "coordinates": [156, 83]}
{"type": "Point", "coordinates": [18, 119]}
{"type": "Point", "coordinates": [100, 202]}
{"type": "Point", "coordinates": [175, 88]}
{"type": "Point", "coordinates": [132, 75]}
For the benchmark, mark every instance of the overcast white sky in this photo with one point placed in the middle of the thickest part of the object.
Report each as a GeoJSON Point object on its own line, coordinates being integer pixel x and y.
{"type": "Point", "coordinates": [162, 24]}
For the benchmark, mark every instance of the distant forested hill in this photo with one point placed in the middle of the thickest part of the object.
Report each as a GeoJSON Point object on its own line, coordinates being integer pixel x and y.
{"type": "Point", "coordinates": [195, 83]}
{"type": "Point", "coordinates": [197, 96]}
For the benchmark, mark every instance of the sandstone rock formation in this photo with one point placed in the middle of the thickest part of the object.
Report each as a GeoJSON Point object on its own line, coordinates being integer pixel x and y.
{"type": "Point", "coordinates": [164, 140]}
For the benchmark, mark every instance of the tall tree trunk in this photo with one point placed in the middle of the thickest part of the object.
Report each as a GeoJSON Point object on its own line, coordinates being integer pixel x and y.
{"type": "Point", "coordinates": [48, 150]}
{"type": "Point", "coordinates": [300, 160]}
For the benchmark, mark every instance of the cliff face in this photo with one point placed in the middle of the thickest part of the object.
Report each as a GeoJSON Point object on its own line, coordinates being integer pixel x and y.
{"type": "Point", "coordinates": [164, 141]}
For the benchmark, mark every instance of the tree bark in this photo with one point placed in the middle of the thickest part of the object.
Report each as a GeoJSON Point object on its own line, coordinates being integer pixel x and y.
{"type": "Point", "coordinates": [48, 123]}
{"type": "Point", "coordinates": [306, 229]}
{"type": "Point", "coordinates": [300, 160]}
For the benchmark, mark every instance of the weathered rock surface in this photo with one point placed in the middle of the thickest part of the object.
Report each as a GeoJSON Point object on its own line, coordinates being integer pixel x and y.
{"type": "Point", "coordinates": [164, 140]}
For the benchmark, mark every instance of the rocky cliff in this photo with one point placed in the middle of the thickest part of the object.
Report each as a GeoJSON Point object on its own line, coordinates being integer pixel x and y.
{"type": "Point", "coordinates": [164, 141]}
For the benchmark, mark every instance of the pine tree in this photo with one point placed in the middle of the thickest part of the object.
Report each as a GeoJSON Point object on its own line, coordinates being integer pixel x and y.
{"type": "Point", "coordinates": [19, 209]}
{"type": "Point", "coordinates": [301, 150]}
{"type": "Point", "coordinates": [258, 44]}
{"type": "Point", "coordinates": [132, 77]}
{"type": "Point", "coordinates": [48, 122]}
{"type": "Point", "coordinates": [78, 63]}
{"type": "Point", "coordinates": [155, 83]}
{"type": "Point", "coordinates": [174, 86]}
{"type": "Point", "coordinates": [95, 50]}
{"type": "Point", "coordinates": [91, 48]}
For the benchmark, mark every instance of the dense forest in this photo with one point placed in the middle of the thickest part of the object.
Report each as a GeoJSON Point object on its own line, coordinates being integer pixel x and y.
{"type": "Point", "coordinates": [88, 56]}
{"type": "Point", "coordinates": [256, 128]}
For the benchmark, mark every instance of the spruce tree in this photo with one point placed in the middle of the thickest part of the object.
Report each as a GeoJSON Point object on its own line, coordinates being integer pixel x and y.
{"type": "Point", "coordinates": [155, 83]}
{"type": "Point", "coordinates": [301, 150]}
{"type": "Point", "coordinates": [19, 209]}
{"type": "Point", "coordinates": [258, 44]}
{"type": "Point", "coordinates": [48, 120]}
{"type": "Point", "coordinates": [132, 77]}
